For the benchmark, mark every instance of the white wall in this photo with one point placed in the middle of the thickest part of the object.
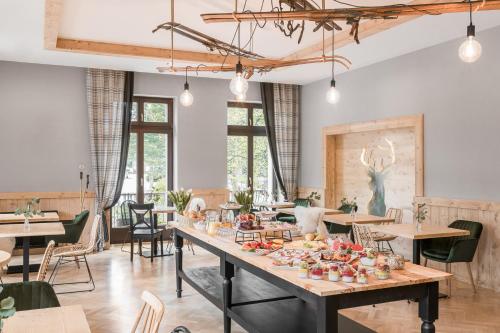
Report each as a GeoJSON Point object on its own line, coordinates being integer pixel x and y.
{"type": "Point", "coordinates": [44, 132]}
{"type": "Point", "coordinates": [461, 104]}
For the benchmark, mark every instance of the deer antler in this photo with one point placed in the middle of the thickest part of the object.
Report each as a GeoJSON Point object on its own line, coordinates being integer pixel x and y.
{"type": "Point", "coordinates": [365, 162]}
{"type": "Point", "coordinates": [393, 154]}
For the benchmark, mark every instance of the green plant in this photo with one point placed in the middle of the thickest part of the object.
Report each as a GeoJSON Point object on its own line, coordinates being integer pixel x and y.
{"type": "Point", "coordinates": [30, 209]}
{"type": "Point", "coordinates": [313, 196]}
{"type": "Point", "coordinates": [421, 213]}
{"type": "Point", "coordinates": [7, 308]}
{"type": "Point", "coordinates": [245, 199]}
{"type": "Point", "coordinates": [347, 205]}
{"type": "Point", "coordinates": [180, 199]}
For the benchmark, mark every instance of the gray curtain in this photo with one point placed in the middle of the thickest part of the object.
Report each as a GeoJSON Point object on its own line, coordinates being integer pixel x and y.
{"type": "Point", "coordinates": [286, 117]}
{"type": "Point", "coordinates": [267, 96]}
{"type": "Point", "coordinates": [109, 125]}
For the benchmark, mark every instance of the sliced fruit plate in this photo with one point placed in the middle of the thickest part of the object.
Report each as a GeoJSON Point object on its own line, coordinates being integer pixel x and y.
{"type": "Point", "coordinates": [260, 248]}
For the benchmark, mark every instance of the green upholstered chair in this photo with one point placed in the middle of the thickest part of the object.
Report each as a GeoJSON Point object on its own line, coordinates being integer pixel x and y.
{"type": "Point", "coordinates": [334, 228]}
{"type": "Point", "coordinates": [290, 218]}
{"type": "Point", "coordinates": [31, 295]}
{"type": "Point", "coordinates": [73, 229]}
{"type": "Point", "coordinates": [450, 250]}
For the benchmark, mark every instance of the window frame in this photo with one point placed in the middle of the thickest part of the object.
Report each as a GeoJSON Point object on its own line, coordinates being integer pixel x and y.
{"type": "Point", "coordinates": [249, 131]}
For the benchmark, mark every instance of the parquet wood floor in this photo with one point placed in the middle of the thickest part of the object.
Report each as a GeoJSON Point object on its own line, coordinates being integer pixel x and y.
{"type": "Point", "coordinates": [114, 303]}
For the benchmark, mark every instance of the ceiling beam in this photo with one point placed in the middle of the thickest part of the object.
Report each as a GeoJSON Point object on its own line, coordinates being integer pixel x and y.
{"type": "Point", "coordinates": [52, 20]}
{"type": "Point", "coordinates": [366, 29]}
{"type": "Point", "coordinates": [112, 49]}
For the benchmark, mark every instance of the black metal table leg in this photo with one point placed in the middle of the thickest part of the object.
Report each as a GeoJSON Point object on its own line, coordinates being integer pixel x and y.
{"type": "Point", "coordinates": [227, 272]}
{"type": "Point", "coordinates": [416, 251]}
{"type": "Point", "coordinates": [327, 318]}
{"type": "Point", "coordinates": [26, 258]}
{"type": "Point", "coordinates": [428, 308]}
{"type": "Point", "coordinates": [178, 242]}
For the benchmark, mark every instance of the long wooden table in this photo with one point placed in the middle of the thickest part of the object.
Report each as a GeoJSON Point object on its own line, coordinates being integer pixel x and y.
{"type": "Point", "coordinates": [410, 231]}
{"type": "Point", "coordinates": [348, 220]}
{"type": "Point", "coordinates": [65, 319]}
{"type": "Point", "coordinates": [13, 218]}
{"type": "Point", "coordinates": [263, 298]}
{"type": "Point", "coordinates": [36, 229]}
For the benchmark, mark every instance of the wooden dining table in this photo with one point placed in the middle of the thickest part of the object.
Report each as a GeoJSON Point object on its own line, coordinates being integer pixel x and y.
{"type": "Point", "coordinates": [64, 319]}
{"type": "Point", "coordinates": [427, 231]}
{"type": "Point", "coordinates": [327, 211]}
{"type": "Point", "coordinates": [348, 220]}
{"type": "Point", "coordinates": [36, 229]}
{"type": "Point", "coordinates": [9, 218]}
{"type": "Point", "coordinates": [275, 205]}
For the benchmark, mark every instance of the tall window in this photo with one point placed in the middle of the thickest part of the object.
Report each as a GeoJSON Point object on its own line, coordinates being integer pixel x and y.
{"type": "Point", "coordinates": [149, 172]}
{"type": "Point", "coordinates": [248, 159]}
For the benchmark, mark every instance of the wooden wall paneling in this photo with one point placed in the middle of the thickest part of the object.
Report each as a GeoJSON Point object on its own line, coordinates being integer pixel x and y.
{"type": "Point", "coordinates": [213, 197]}
{"type": "Point", "coordinates": [484, 266]}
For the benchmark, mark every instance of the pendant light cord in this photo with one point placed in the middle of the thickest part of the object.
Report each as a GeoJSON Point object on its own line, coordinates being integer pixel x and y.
{"type": "Point", "coordinates": [333, 51]}
{"type": "Point", "coordinates": [470, 11]}
{"type": "Point", "coordinates": [172, 31]}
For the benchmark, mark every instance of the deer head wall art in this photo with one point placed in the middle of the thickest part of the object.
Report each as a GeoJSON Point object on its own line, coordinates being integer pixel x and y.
{"type": "Point", "coordinates": [377, 171]}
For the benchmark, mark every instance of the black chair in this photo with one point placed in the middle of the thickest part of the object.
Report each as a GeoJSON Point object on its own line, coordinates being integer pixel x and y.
{"type": "Point", "coordinates": [144, 228]}
{"type": "Point", "coordinates": [31, 295]}
{"type": "Point", "coordinates": [124, 219]}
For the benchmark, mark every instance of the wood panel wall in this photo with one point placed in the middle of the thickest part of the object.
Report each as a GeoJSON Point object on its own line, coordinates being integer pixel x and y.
{"type": "Point", "coordinates": [66, 203]}
{"type": "Point", "coordinates": [485, 265]}
{"type": "Point", "coordinates": [213, 197]}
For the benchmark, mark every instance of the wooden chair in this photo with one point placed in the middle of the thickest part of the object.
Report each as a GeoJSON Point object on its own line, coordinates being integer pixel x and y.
{"type": "Point", "coordinates": [144, 228]}
{"type": "Point", "coordinates": [149, 317]}
{"type": "Point", "coordinates": [379, 238]}
{"type": "Point", "coordinates": [76, 253]}
{"type": "Point", "coordinates": [363, 235]}
{"type": "Point", "coordinates": [44, 265]}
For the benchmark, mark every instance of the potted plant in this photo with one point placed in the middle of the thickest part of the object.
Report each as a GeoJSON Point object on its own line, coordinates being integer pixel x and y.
{"type": "Point", "coordinates": [7, 309]}
{"type": "Point", "coordinates": [180, 199]}
{"type": "Point", "coordinates": [245, 199]}
{"type": "Point", "coordinates": [347, 205]}
{"type": "Point", "coordinates": [313, 196]}
{"type": "Point", "coordinates": [30, 210]}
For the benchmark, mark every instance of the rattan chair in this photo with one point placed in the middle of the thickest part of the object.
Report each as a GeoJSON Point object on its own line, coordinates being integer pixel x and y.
{"type": "Point", "coordinates": [150, 315]}
{"type": "Point", "coordinates": [363, 235]}
{"type": "Point", "coordinates": [380, 238]}
{"type": "Point", "coordinates": [78, 253]}
{"type": "Point", "coordinates": [44, 265]}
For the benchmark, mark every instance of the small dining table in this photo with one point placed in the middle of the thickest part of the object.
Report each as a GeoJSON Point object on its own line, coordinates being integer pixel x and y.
{"type": "Point", "coordinates": [291, 211]}
{"type": "Point", "coordinates": [64, 319]}
{"type": "Point", "coordinates": [35, 229]}
{"type": "Point", "coordinates": [9, 218]}
{"type": "Point", "coordinates": [348, 219]}
{"type": "Point", "coordinates": [427, 231]}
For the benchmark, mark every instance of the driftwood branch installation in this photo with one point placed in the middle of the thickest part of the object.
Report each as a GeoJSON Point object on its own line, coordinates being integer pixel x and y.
{"type": "Point", "coordinates": [263, 67]}
{"type": "Point", "coordinates": [350, 13]}
{"type": "Point", "coordinates": [211, 43]}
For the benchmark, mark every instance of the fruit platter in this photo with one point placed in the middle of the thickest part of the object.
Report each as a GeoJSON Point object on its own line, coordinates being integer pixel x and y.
{"type": "Point", "coordinates": [261, 248]}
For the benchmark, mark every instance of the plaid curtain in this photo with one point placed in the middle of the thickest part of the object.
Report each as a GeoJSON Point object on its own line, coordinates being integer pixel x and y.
{"type": "Point", "coordinates": [286, 116]}
{"type": "Point", "coordinates": [105, 93]}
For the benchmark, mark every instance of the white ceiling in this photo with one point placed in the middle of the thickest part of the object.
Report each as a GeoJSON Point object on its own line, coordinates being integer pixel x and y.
{"type": "Point", "coordinates": [131, 22]}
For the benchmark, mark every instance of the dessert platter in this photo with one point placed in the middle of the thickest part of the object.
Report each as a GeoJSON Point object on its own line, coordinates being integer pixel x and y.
{"type": "Point", "coordinates": [249, 229]}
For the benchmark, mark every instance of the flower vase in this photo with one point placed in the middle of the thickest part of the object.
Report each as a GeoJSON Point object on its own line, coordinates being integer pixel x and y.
{"type": "Point", "coordinates": [419, 226]}
{"type": "Point", "coordinates": [26, 224]}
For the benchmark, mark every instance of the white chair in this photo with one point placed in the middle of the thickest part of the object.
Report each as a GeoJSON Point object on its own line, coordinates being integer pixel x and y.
{"type": "Point", "coordinates": [44, 265]}
{"type": "Point", "coordinates": [150, 315]}
{"type": "Point", "coordinates": [76, 253]}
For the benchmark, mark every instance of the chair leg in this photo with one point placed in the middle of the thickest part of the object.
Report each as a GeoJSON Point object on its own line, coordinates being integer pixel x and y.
{"type": "Point", "coordinates": [471, 277]}
{"type": "Point", "coordinates": [425, 262]}
{"type": "Point", "coordinates": [60, 263]}
{"type": "Point", "coordinates": [390, 247]}
{"type": "Point", "coordinates": [153, 248]}
{"type": "Point", "coordinates": [77, 262]}
{"type": "Point", "coordinates": [448, 281]}
{"type": "Point", "coordinates": [131, 249]}
{"type": "Point", "coordinates": [161, 244]}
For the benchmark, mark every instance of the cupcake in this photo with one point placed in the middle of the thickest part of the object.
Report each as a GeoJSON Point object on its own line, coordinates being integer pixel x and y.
{"type": "Point", "coordinates": [317, 272]}
{"type": "Point", "coordinates": [303, 270]}
{"type": "Point", "coordinates": [347, 275]}
{"type": "Point", "coordinates": [383, 272]}
{"type": "Point", "coordinates": [334, 273]}
{"type": "Point", "coordinates": [362, 276]}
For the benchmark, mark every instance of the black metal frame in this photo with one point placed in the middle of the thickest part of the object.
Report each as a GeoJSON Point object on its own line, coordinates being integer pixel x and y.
{"type": "Point", "coordinates": [66, 260]}
{"type": "Point", "coordinates": [324, 313]}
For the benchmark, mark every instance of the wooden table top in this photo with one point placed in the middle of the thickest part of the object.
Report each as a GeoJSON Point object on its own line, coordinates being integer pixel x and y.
{"type": "Point", "coordinates": [327, 211]}
{"type": "Point", "coordinates": [36, 229]}
{"type": "Point", "coordinates": [412, 274]}
{"type": "Point", "coordinates": [12, 218]}
{"type": "Point", "coordinates": [269, 227]}
{"type": "Point", "coordinates": [275, 205]}
{"type": "Point", "coordinates": [346, 219]}
{"type": "Point", "coordinates": [230, 206]}
{"type": "Point", "coordinates": [410, 231]}
{"type": "Point", "coordinates": [64, 319]}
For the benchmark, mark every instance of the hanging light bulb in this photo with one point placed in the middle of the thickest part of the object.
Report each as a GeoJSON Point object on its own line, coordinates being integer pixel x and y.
{"type": "Point", "coordinates": [470, 50]}
{"type": "Point", "coordinates": [333, 94]}
{"type": "Point", "coordinates": [186, 98]}
{"type": "Point", "coordinates": [239, 85]}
